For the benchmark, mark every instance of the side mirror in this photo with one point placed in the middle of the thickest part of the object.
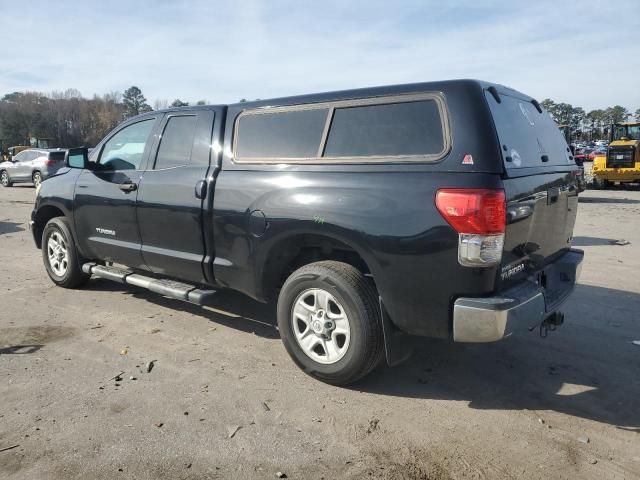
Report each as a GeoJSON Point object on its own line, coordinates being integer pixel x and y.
{"type": "Point", "coordinates": [77, 157]}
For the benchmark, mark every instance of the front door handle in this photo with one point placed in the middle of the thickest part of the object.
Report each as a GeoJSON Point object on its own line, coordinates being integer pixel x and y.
{"type": "Point", "coordinates": [128, 187]}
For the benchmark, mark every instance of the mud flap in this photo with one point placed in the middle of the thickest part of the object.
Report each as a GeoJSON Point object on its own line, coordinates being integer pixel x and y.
{"type": "Point", "coordinates": [397, 347]}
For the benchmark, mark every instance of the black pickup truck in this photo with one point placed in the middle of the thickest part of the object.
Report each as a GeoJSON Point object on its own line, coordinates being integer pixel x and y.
{"type": "Point", "coordinates": [440, 209]}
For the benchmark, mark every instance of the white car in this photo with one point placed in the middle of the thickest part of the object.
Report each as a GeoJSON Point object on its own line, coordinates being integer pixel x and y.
{"type": "Point", "coordinates": [31, 166]}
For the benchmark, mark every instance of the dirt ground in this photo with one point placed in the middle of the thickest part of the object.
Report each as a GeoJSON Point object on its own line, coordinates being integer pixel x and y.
{"type": "Point", "coordinates": [225, 401]}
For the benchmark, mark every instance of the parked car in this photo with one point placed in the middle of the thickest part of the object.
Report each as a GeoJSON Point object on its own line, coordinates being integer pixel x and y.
{"type": "Point", "coordinates": [586, 151]}
{"type": "Point", "coordinates": [31, 166]}
{"type": "Point", "coordinates": [580, 156]}
{"type": "Point", "coordinates": [423, 209]}
{"type": "Point", "coordinates": [598, 151]}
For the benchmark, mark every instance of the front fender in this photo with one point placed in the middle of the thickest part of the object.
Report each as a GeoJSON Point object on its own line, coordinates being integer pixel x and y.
{"type": "Point", "coordinates": [54, 199]}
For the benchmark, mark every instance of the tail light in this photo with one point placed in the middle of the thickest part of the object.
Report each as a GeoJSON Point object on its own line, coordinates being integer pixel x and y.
{"type": "Point", "coordinates": [479, 217]}
{"type": "Point", "coordinates": [49, 162]}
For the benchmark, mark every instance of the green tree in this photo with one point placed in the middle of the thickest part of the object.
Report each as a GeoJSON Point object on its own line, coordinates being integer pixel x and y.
{"type": "Point", "coordinates": [65, 118]}
{"type": "Point", "coordinates": [617, 114]}
{"type": "Point", "coordinates": [549, 105]}
{"type": "Point", "coordinates": [134, 102]}
{"type": "Point", "coordinates": [179, 103]}
{"type": "Point", "coordinates": [201, 102]}
{"type": "Point", "coordinates": [637, 114]}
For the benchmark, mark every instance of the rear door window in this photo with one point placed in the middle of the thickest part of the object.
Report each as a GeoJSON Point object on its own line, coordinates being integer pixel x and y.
{"type": "Point", "coordinates": [21, 157]}
{"type": "Point", "coordinates": [177, 142]}
{"type": "Point", "coordinates": [527, 137]}
{"type": "Point", "coordinates": [393, 129]}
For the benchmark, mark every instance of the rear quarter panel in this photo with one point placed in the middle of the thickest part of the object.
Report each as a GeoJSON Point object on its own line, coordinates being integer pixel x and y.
{"type": "Point", "coordinates": [388, 217]}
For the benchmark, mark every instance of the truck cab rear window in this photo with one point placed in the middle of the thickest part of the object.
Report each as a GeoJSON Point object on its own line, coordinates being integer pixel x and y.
{"type": "Point", "coordinates": [359, 131]}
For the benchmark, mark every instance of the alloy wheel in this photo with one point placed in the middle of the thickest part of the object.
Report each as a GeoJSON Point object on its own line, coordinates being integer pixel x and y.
{"type": "Point", "coordinates": [57, 254]}
{"type": "Point", "coordinates": [321, 326]}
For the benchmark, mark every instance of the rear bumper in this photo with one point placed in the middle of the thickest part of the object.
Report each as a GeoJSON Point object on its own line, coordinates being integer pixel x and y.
{"type": "Point", "coordinates": [526, 305]}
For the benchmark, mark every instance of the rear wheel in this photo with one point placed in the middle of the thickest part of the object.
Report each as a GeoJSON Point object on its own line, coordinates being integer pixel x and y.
{"type": "Point", "coordinates": [37, 179]}
{"type": "Point", "coordinates": [60, 256]}
{"type": "Point", "coordinates": [329, 321]}
{"type": "Point", "coordinates": [4, 179]}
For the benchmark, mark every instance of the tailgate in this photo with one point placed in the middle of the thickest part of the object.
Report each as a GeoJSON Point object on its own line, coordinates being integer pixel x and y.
{"type": "Point", "coordinates": [540, 186]}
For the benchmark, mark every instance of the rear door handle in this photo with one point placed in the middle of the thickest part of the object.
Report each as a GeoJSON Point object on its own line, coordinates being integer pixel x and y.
{"type": "Point", "coordinates": [128, 187]}
{"type": "Point", "coordinates": [201, 189]}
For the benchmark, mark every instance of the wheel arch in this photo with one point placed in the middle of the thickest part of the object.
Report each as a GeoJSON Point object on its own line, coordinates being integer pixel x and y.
{"type": "Point", "coordinates": [292, 252]}
{"type": "Point", "coordinates": [42, 216]}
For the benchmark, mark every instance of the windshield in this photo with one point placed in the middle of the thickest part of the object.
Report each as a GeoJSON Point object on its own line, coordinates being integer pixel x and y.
{"type": "Point", "coordinates": [628, 132]}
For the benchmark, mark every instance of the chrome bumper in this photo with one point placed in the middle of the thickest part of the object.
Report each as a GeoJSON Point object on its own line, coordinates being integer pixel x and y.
{"type": "Point", "coordinates": [527, 304]}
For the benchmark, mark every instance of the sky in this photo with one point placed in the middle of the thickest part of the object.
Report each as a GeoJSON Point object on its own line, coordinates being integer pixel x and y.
{"type": "Point", "coordinates": [586, 53]}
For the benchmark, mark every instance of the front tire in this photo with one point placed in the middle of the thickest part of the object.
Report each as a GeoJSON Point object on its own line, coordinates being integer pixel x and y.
{"type": "Point", "coordinates": [329, 322]}
{"type": "Point", "coordinates": [4, 179]}
{"type": "Point", "coordinates": [60, 256]}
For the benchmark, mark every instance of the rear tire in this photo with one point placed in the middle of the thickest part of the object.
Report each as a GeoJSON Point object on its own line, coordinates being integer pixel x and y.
{"type": "Point", "coordinates": [4, 179]}
{"type": "Point", "coordinates": [322, 302]}
{"type": "Point", "coordinates": [60, 256]}
{"type": "Point", "coordinates": [36, 178]}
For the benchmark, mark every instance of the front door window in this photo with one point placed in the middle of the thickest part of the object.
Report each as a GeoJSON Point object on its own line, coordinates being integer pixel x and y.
{"type": "Point", "coordinates": [124, 151]}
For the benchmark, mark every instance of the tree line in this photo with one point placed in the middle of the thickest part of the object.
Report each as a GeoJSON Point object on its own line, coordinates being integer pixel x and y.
{"type": "Point", "coordinates": [67, 119]}
{"type": "Point", "coordinates": [590, 125]}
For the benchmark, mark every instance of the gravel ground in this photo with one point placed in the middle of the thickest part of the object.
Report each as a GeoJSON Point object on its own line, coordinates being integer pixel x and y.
{"type": "Point", "coordinates": [224, 401]}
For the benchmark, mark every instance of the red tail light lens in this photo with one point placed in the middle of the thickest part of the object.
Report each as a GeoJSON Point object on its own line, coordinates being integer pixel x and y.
{"type": "Point", "coordinates": [49, 163]}
{"type": "Point", "coordinates": [473, 211]}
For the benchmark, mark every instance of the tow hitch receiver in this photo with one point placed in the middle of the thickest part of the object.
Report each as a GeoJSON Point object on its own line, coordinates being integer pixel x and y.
{"type": "Point", "coordinates": [550, 323]}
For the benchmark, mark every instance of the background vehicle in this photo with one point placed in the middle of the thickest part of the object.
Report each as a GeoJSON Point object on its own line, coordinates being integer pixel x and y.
{"type": "Point", "coordinates": [578, 159]}
{"type": "Point", "coordinates": [621, 162]}
{"type": "Point", "coordinates": [440, 209]}
{"type": "Point", "coordinates": [31, 166]}
{"type": "Point", "coordinates": [598, 151]}
{"type": "Point", "coordinates": [581, 155]}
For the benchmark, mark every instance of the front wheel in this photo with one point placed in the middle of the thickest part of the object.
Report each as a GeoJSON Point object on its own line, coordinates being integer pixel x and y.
{"type": "Point", "coordinates": [60, 256]}
{"type": "Point", "coordinates": [329, 322]}
{"type": "Point", "coordinates": [4, 179]}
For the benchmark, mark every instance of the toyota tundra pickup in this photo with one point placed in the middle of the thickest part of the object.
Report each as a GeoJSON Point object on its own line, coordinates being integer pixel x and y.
{"type": "Point", "coordinates": [440, 209]}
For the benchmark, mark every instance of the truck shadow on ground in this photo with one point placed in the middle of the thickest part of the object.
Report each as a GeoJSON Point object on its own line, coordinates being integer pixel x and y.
{"type": "Point", "coordinates": [19, 349]}
{"type": "Point", "coordinates": [588, 368]}
{"type": "Point", "coordinates": [228, 308]}
{"type": "Point", "coordinates": [10, 227]}
{"type": "Point", "coordinates": [607, 200]}
{"type": "Point", "coordinates": [592, 241]}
